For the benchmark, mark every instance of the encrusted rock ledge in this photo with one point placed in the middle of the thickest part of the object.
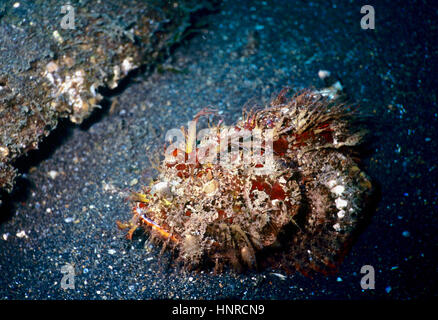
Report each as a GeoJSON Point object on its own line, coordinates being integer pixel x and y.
{"type": "Point", "coordinates": [48, 72]}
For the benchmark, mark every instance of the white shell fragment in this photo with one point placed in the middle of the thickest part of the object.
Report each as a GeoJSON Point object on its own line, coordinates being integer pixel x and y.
{"type": "Point", "coordinates": [341, 213]}
{"type": "Point", "coordinates": [341, 203]}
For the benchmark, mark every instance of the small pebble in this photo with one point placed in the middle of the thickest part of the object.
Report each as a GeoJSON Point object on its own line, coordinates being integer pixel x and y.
{"type": "Point", "coordinates": [22, 234]}
{"type": "Point", "coordinates": [53, 174]}
{"type": "Point", "coordinates": [322, 74]}
{"type": "Point", "coordinates": [341, 203]}
{"type": "Point", "coordinates": [406, 234]}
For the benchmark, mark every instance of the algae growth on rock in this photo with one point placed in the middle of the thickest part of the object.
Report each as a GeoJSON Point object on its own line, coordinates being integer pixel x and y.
{"type": "Point", "coordinates": [281, 188]}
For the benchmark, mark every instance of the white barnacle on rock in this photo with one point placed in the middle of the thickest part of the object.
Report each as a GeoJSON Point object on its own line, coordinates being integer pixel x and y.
{"type": "Point", "coordinates": [73, 86]}
{"type": "Point", "coordinates": [127, 65]}
{"type": "Point", "coordinates": [337, 227]}
{"type": "Point", "coordinates": [116, 77]}
{"type": "Point", "coordinates": [4, 152]}
{"type": "Point", "coordinates": [341, 214]}
{"type": "Point", "coordinates": [93, 90]}
{"type": "Point", "coordinates": [341, 203]}
{"type": "Point", "coordinates": [331, 183]}
{"type": "Point", "coordinates": [52, 67]}
{"type": "Point", "coordinates": [51, 74]}
{"type": "Point", "coordinates": [50, 77]}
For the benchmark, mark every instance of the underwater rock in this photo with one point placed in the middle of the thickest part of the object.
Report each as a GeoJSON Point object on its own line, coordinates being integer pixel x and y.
{"type": "Point", "coordinates": [281, 188]}
{"type": "Point", "coordinates": [50, 70]}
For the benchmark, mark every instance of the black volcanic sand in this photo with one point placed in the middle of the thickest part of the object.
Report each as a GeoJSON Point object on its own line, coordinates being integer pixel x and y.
{"type": "Point", "coordinates": [247, 52]}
